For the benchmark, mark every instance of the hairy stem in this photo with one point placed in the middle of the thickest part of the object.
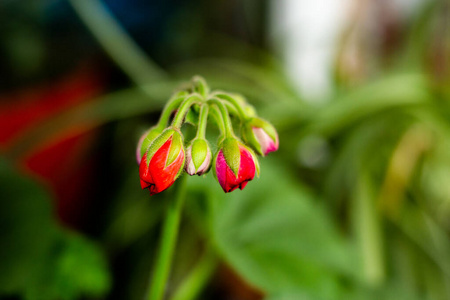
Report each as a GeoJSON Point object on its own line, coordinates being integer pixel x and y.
{"type": "Point", "coordinates": [184, 108]}
{"type": "Point", "coordinates": [225, 117]}
{"type": "Point", "coordinates": [241, 111]}
{"type": "Point", "coordinates": [201, 86]}
{"type": "Point", "coordinates": [202, 122]}
{"type": "Point", "coordinates": [168, 109]}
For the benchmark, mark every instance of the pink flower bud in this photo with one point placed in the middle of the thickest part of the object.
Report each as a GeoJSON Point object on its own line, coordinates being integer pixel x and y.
{"type": "Point", "coordinates": [234, 165]}
{"type": "Point", "coordinates": [260, 135]}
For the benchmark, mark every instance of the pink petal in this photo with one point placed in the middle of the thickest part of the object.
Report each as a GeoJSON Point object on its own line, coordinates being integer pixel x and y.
{"type": "Point", "coordinates": [267, 144]}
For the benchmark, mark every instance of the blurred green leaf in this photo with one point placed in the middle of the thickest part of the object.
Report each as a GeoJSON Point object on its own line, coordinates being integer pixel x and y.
{"type": "Point", "coordinates": [75, 267]}
{"type": "Point", "coordinates": [26, 228]}
{"type": "Point", "coordinates": [39, 259]}
{"type": "Point", "coordinates": [396, 91]}
{"type": "Point", "coordinates": [277, 238]}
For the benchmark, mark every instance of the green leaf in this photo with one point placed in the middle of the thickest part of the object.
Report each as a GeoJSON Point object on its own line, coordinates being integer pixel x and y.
{"type": "Point", "coordinates": [75, 268]}
{"type": "Point", "coordinates": [40, 260]}
{"type": "Point", "coordinates": [277, 238]}
{"type": "Point", "coordinates": [26, 228]}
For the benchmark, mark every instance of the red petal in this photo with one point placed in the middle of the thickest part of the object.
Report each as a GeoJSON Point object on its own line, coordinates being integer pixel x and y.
{"type": "Point", "coordinates": [144, 173]}
{"type": "Point", "coordinates": [164, 177]}
{"type": "Point", "coordinates": [242, 185]}
{"type": "Point", "coordinates": [227, 179]}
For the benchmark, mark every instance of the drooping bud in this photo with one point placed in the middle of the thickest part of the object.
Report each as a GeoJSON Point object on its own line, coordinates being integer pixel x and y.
{"type": "Point", "coordinates": [198, 157]}
{"type": "Point", "coordinates": [260, 135]}
{"type": "Point", "coordinates": [163, 162]}
{"type": "Point", "coordinates": [145, 141]}
{"type": "Point", "coordinates": [234, 165]}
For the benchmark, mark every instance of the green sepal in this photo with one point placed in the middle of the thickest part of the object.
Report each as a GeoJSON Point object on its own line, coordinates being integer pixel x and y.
{"type": "Point", "coordinates": [151, 136]}
{"type": "Point", "coordinates": [158, 142]}
{"type": "Point", "coordinates": [249, 137]}
{"type": "Point", "coordinates": [231, 152]}
{"type": "Point", "coordinates": [181, 169]}
{"type": "Point", "coordinates": [175, 147]}
{"type": "Point", "coordinates": [199, 152]}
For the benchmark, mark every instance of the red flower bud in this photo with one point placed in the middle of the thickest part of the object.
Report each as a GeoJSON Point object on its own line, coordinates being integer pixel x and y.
{"type": "Point", "coordinates": [234, 166]}
{"type": "Point", "coordinates": [163, 162]}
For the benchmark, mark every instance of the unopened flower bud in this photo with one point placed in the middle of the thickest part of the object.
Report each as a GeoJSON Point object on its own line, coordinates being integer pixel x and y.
{"type": "Point", "coordinates": [198, 157]}
{"type": "Point", "coordinates": [163, 162]}
{"type": "Point", "coordinates": [234, 165]}
{"type": "Point", "coordinates": [260, 135]}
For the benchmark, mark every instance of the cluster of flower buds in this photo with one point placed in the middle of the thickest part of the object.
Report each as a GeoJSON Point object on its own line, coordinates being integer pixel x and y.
{"type": "Point", "coordinates": [162, 154]}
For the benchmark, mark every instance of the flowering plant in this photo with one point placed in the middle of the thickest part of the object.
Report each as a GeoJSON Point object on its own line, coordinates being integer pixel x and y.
{"type": "Point", "coordinates": [162, 155]}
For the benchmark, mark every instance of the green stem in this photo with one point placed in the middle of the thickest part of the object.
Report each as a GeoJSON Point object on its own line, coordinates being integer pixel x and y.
{"type": "Point", "coordinates": [167, 243]}
{"type": "Point", "coordinates": [168, 109]}
{"type": "Point", "coordinates": [194, 283]}
{"type": "Point", "coordinates": [216, 114]}
{"type": "Point", "coordinates": [242, 113]}
{"type": "Point", "coordinates": [184, 108]}
{"type": "Point", "coordinates": [201, 86]}
{"type": "Point", "coordinates": [225, 117]}
{"type": "Point", "coordinates": [231, 109]}
{"type": "Point", "coordinates": [202, 122]}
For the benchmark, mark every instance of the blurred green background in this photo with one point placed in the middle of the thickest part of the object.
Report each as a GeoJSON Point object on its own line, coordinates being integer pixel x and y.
{"type": "Point", "coordinates": [354, 205]}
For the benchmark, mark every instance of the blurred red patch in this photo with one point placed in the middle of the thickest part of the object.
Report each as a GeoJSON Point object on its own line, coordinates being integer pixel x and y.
{"type": "Point", "coordinates": [66, 161]}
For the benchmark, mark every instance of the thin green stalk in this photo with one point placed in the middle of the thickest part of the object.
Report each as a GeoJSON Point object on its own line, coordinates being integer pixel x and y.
{"type": "Point", "coordinates": [215, 112]}
{"type": "Point", "coordinates": [167, 243]}
{"type": "Point", "coordinates": [367, 225]}
{"type": "Point", "coordinates": [202, 122]}
{"type": "Point", "coordinates": [242, 113]}
{"type": "Point", "coordinates": [201, 85]}
{"type": "Point", "coordinates": [184, 108]}
{"type": "Point", "coordinates": [117, 43]}
{"type": "Point", "coordinates": [231, 109]}
{"type": "Point", "coordinates": [225, 117]}
{"type": "Point", "coordinates": [195, 282]}
{"type": "Point", "coordinates": [168, 109]}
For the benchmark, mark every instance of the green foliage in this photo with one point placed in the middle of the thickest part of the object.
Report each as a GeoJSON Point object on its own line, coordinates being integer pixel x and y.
{"type": "Point", "coordinates": [40, 260]}
{"type": "Point", "coordinates": [27, 230]}
{"type": "Point", "coordinates": [278, 237]}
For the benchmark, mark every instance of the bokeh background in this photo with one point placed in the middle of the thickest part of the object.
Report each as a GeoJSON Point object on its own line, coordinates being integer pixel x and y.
{"type": "Point", "coordinates": [354, 205]}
